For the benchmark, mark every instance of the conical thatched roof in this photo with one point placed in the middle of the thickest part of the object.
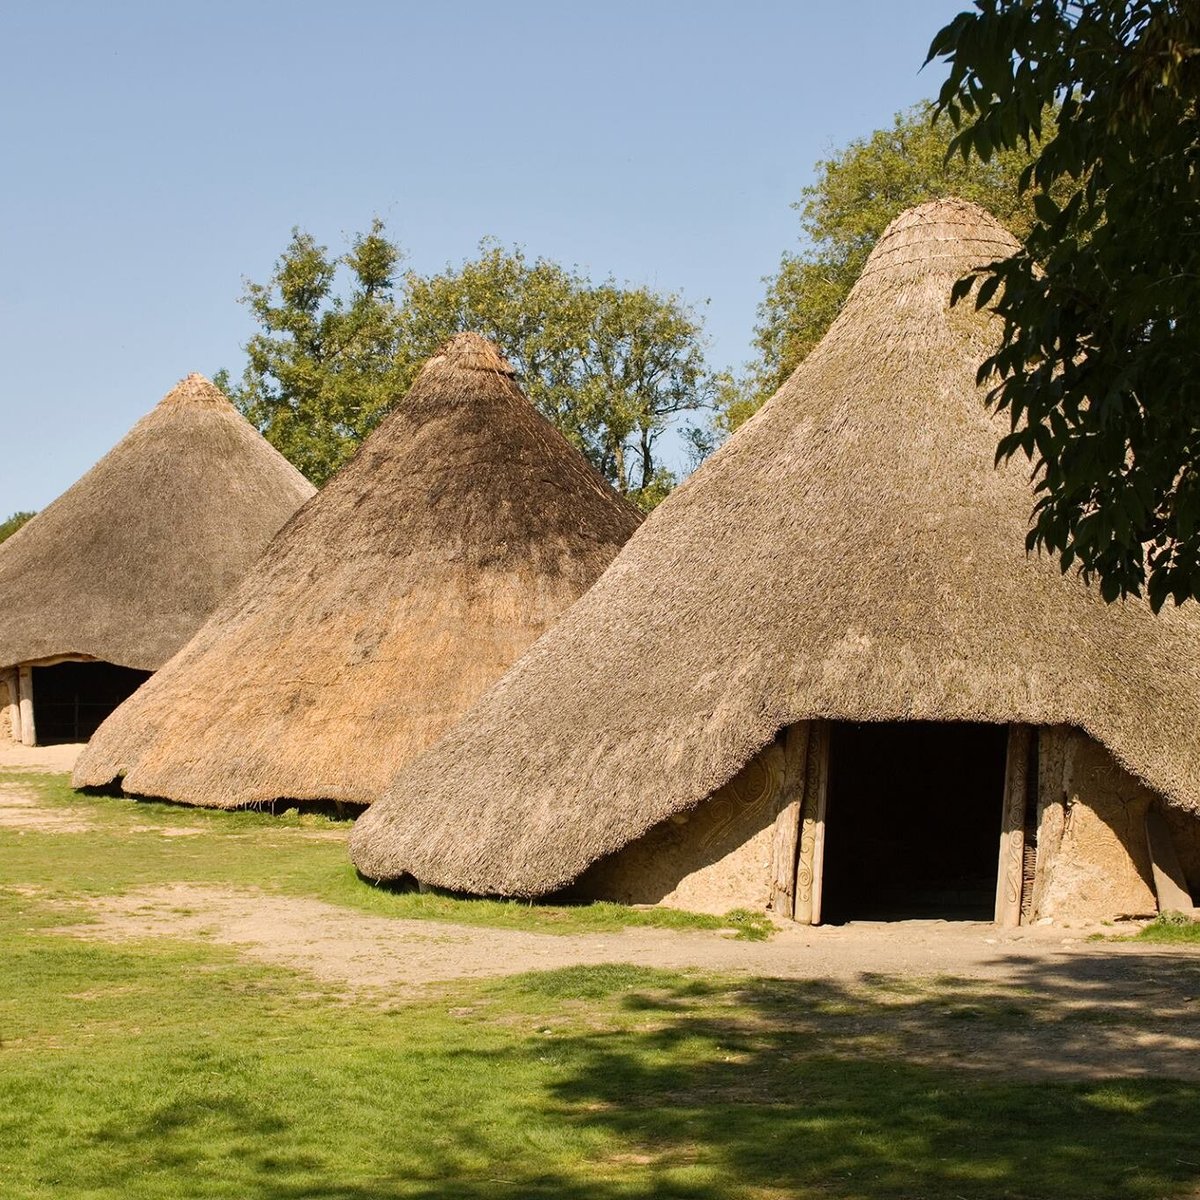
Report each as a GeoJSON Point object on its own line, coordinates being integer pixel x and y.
{"type": "Point", "coordinates": [459, 532]}
{"type": "Point", "coordinates": [127, 564]}
{"type": "Point", "coordinates": [850, 554]}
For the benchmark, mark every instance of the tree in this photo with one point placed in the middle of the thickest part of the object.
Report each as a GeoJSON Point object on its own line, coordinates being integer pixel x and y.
{"type": "Point", "coordinates": [13, 523]}
{"type": "Point", "coordinates": [1099, 366]}
{"type": "Point", "coordinates": [323, 371]}
{"type": "Point", "coordinates": [612, 366]}
{"type": "Point", "coordinates": [644, 364]}
{"type": "Point", "coordinates": [856, 194]}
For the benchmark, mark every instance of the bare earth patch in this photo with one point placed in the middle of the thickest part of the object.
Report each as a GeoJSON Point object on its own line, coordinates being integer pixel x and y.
{"type": "Point", "coordinates": [57, 759]}
{"type": "Point", "coordinates": [23, 809]}
{"type": "Point", "coordinates": [1027, 1001]}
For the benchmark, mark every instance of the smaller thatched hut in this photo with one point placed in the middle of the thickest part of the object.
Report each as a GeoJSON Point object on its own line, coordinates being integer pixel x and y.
{"type": "Point", "coordinates": [460, 531]}
{"type": "Point", "coordinates": [112, 578]}
{"type": "Point", "coordinates": [825, 677]}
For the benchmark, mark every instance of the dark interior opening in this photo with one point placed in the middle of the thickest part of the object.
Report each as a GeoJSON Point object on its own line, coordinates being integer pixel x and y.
{"type": "Point", "coordinates": [912, 823]}
{"type": "Point", "coordinates": [71, 699]}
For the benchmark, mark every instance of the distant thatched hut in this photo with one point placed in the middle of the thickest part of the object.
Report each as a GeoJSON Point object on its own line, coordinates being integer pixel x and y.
{"type": "Point", "coordinates": [112, 578]}
{"type": "Point", "coordinates": [825, 677]}
{"type": "Point", "coordinates": [459, 532]}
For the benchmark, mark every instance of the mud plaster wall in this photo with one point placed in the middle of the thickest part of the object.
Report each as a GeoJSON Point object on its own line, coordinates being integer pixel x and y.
{"type": "Point", "coordinates": [1092, 861]}
{"type": "Point", "coordinates": [712, 859]}
{"type": "Point", "coordinates": [8, 697]}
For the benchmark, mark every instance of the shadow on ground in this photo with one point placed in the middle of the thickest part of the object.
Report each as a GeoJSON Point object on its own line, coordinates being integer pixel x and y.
{"type": "Point", "coordinates": [651, 1084]}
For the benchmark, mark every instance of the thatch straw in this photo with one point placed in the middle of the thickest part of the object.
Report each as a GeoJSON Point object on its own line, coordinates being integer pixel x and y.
{"type": "Point", "coordinates": [456, 536]}
{"type": "Point", "coordinates": [127, 563]}
{"type": "Point", "coordinates": [850, 554]}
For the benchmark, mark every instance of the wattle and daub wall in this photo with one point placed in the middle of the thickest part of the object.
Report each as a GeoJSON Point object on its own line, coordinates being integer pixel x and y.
{"type": "Point", "coordinates": [1092, 860]}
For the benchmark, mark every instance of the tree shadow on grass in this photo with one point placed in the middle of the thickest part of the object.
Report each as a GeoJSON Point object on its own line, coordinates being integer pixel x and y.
{"type": "Point", "coordinates": [1074, 1078]}
{"type": "Point", "coordinates": [659, 1085]}
{"type": "Point", "coordinates": [770, 1109]}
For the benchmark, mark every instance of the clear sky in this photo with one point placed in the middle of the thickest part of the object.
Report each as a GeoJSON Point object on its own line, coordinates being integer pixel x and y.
{"type": "Point", "coordinates": [156, 153]}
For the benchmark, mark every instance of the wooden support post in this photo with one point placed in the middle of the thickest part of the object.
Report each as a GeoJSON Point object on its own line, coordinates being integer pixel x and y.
{"type": "Point", "coordinates": [1011, 873]}
{"type": "Point", "coordinates": [811, 862]}
{"type": "Point", "coordinates": [1055, 783]}
{"type": "Point", "coordinates": [785, 845]}
{"type": "Point", "coordinates": [25, 688]}
{"type": "Point", "coordinates": [13, 704]}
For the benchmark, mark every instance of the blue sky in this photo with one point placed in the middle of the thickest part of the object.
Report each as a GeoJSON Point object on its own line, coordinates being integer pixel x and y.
{"type": "Point", "coordinates": [155, 154]}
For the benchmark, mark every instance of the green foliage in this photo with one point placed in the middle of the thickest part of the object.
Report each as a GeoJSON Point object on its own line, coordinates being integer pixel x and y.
{"type": "Point", "coordinates": [13, 523]}
{"type": "Point", "coordinates": [856, 194]}
{"type": "Point", "coordinates": [612, 366]}
{"type": "Point", "coordinates": [1099, 369]}
{"type": "Point", "coordinates": [322, 372]}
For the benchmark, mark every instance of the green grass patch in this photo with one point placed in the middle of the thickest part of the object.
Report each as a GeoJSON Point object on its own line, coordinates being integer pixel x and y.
{"type": "Point", "coordinates": [1170, 927]}
{"type": "Point", "coordinates": [136, 843]}
{"type": "Point", "coordinates": [164, 1072]}
{"type": "Point", "coordinates": [174, 1070]}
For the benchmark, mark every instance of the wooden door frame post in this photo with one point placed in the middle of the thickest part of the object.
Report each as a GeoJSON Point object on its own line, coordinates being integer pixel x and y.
{"type": "Point", "coordinates": [810, 865]}
{"type": "Point", "coordinates": [1010, 874]}
{"type": "Point", "coordinates": [25, 690]}
{"type": "Point", "coordinates": [785, 842]}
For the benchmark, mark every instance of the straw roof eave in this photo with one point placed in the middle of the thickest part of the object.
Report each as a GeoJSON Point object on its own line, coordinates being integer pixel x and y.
{"type": "Point", "coordinates": [460, 531]}
{"type": "Point", "coordinates": [126, 564]}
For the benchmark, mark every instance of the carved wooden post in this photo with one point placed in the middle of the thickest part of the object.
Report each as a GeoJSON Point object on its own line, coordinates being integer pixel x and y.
{"type": "Point", "coordinates": [786, 841]}
{"type": "Point", "coordinates": [25, 688]}
{"type": "Point", "coordinates": [1056, 754]}
{"type": "Point", "coordinates": [811, 863]}
{"type": "Point", "coordinates": [13, 704]}
{"type": "Point", "coordinates": [1011, 873]}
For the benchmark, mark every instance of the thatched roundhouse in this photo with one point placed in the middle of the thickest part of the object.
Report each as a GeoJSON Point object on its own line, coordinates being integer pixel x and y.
{"type": "Point", "coordinates": [825, 678]}
{"type": "Point", "coordinates": [460, 531]}
{"type": "Point", "coordinates": [111, 579]}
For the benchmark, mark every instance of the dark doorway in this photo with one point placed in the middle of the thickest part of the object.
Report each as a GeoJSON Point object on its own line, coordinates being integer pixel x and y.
{"type": "Point", "coordinates": [912, 825]}
{"type": "Point", "coordinates": [71, 699]}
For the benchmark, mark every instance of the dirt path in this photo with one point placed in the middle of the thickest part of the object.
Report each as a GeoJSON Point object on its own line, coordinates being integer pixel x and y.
{"type": "Point", "coordinates": [39, 758]}
{"type": "Point", "coordinates": [1034, 1002]}
{"type": "Point", "coordinates": [21, 808]}
{"type": "Point", "coordinates": [344, 946]}
{"type": "Point", "coordinates": [1031, 1000]}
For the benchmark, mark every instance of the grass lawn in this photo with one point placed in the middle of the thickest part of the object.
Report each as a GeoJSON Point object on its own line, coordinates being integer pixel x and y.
{"type": "Point", "coordinates": [1171, 927]}
{"type": "Point", "coordinates": [172, 1069]}
{"type": "Point", "coordinates": [255, 849]}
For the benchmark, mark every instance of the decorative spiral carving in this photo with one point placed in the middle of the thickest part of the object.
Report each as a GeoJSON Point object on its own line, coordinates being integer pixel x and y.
{"type": "Point", "coordinates": [751, 790]}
